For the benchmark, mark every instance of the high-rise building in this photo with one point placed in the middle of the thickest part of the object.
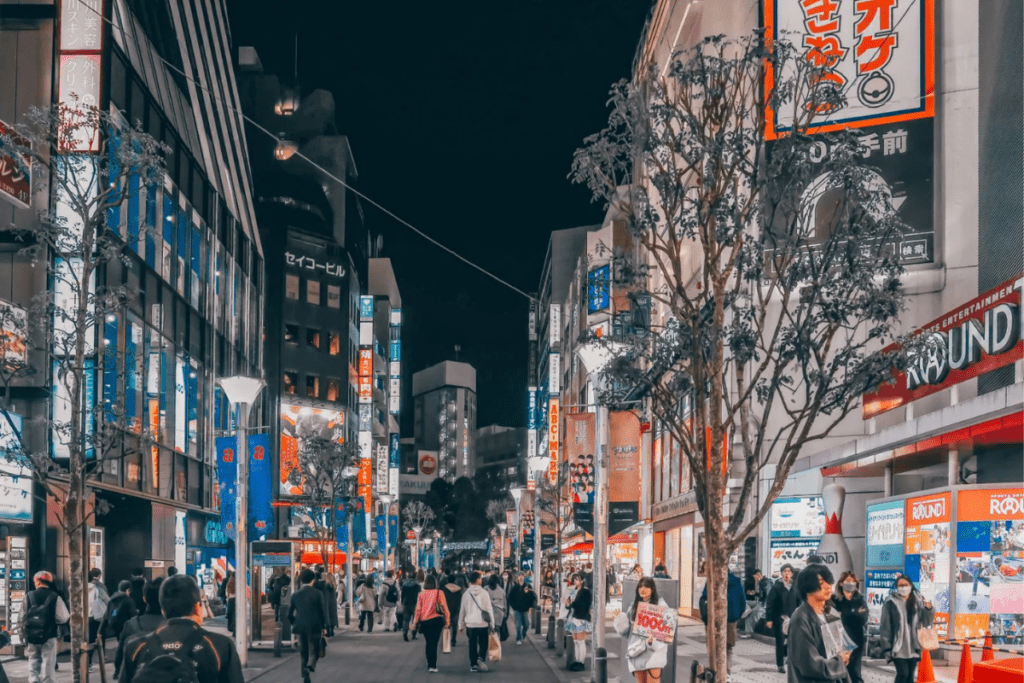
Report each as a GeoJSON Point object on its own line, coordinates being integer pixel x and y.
{"type": "Point", "coordinates": [197, 274]}
{"type": "Point", "coordinates": [501, 456]}
{"type": "Point", "coordinates": [444, 418]}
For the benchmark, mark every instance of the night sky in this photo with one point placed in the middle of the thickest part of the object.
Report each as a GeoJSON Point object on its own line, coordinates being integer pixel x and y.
{"type": "Point", "coordinates": [463, 118]}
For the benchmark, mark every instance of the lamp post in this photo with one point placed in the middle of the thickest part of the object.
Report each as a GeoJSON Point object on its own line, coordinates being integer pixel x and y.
{"type": "Point", "coordinates": [386, 499]}
{"type": "Point", "coordinates": [538, 466]}
{"type": "Point", "coordinates": [437, 549]}
{"type": "Point", "coordinates": [349, 474]}
{"type": "Point", "coordinates": [595, 358]}
{"type": "Point", "coordinates": [417, 530]}
{"type": "Point", "coordinates": [426, 547]}
{"type": "Point", "coordinates": [502, 528]}
{"type": "Point", "coordinates": [242, 391]}
{"type": "Point", "coordinates": [517, 496]}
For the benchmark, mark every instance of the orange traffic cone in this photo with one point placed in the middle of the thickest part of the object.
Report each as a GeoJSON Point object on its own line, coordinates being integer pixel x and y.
{"type": "Point", "coordinates": [987, 653]}
{"type": "Point", "coordinates": [925, 672]}
{"type": "Point", "coordinates": [966, 673]}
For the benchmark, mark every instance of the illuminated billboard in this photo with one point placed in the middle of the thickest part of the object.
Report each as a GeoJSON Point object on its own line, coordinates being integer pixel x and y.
{"type": "Point", "coordinates": [298, 425]}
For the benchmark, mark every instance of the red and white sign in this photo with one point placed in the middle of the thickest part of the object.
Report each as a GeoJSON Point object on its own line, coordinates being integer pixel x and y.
{"type": "Point", "coordinates": [990, 505]}
{"type": "Point", "coordinates": [554, 436]}
{"type": "Point", "coordinates": [984, 334]}
{"type": "Point", "coordinates": [15, 175]}
{"type": "Point", "coordinates": [365, 375]}
{"type": "Point", "coordinates": [655, 621]}
{"type": "Point", "coordinates": [428, 462]}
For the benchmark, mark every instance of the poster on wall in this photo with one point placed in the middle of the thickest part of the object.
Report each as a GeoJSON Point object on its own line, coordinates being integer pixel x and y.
{"type": "Point", "coordinates": [792, 551]}
{"type": "Point", "coordinates": [990, 565]}
{"type": "Point", "coordinates": [300, 424]}
{"type": "Point", "coordinates": [926, 551]}
{"type": "Point", "coordinates": [580, 444]}
{"type": "Point", "coordinates": [797, 525]}
{"type": "Point", "coordinates": [623, 470]}
{"type": "Point", "coordinates": [878, 584]}
{"type": "Point", "coordinates": [885, 534]}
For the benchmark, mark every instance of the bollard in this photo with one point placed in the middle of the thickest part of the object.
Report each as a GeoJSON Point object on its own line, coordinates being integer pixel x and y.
{"type": "Point", "coordinates": [601, 665]}
{"type": "Point", "coordinates": [570, 656]}
{"type": "Point", "coordinates": [551, 631]}
{"type": "Point", "coordinates": [277, 638]}
{"type": "Point", "coordinates": [348, 614]}
{"type": "Point", "coordinates": [559, 637]}
{"type": "Point", "coordinates": [536, 620]}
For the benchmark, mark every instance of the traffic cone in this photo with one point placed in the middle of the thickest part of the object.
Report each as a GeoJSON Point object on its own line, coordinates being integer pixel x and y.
{"type": "Point", "coordinates": [966, 673]}
{"type": "Point", "coordinates": [987, 653]}
{"type": "Point", "coordinates": [925, 672]}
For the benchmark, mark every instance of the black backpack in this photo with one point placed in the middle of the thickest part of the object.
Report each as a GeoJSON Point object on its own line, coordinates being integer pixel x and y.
{"type": "Point", "coordinates": [39, 625]}
{"type": "Point", "coordinates": [392, 595]}
{"type": "Point", "coordinates": [168, 662]}
{"type": "Point", "coordinates": [118, 613]}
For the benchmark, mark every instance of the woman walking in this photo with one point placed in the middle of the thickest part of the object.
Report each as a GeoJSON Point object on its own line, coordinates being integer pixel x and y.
{"type": "Point", "coordinates": [902, 614]}
{"type": "Point", "coordinates": [646, 657]}
{"type": "Point", "coordinates": [499, 605]}
{"type": "Point", "coordinates": [331, 594]}
{"type": "Point", "coordinates": [578, 624]}
{"type": "Point", "coordinates": [853, 609]}
{"type": "Point", "coordinates": [431, 617]}
{"type": "Point", "coordinates": [366, 598]}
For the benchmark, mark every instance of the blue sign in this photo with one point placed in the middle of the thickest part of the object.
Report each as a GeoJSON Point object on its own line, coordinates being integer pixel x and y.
{"type": "Point", "coordinates": [597, 289]}
{"type": "Point", "coordinates": [886, 523]}
{"type": "Point", "coordinates": [341, 526]}
{"type": "Point", "coordinates": [396, 350]}
{"type": "Point", "coordinates": [395, 453]}
{"type": "Point", "coordinates": [532, 413]}
{"type": "Point", "coordinates": [381, 530]}
{"type": "Point", "coordinates": [261, 478]}
{"type": "Point", "coordinates": [227, 480]}
{"type": "Point", "coordinates": [393, 531]}
{"type": "Point", "coordinates": [366, 308]}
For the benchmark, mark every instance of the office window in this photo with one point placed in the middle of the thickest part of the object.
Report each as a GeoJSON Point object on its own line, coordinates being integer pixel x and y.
{"type": "Point", "coordinates": [291, 287]}
{"type": "Point", "coordinates": [333, 296]}
{"type": "Point", "coordinates": [312, 386]}
{"type": "Point", "coordinates": [335, 343]}
{"type": "Point", "coordinates": [291, 334]}
{"type": "Point", "coordinates": [313, 292]}
{"type": "Point", "coordinates": [291, 381]}
{"type": "Point", "coordinates": [333, 389]}
{"type": "Point", "coordinates": [313, 338]}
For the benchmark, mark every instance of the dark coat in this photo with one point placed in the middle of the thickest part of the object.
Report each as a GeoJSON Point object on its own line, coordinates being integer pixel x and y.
{"type": "Point", "coordinates": [855, 615]}
{"type": "Point", "coordinates": [522, 600]}
{"type": "Point", "coordinates": [307, 611]}
{"type": "Point", "coordinates": [453, 596]}
{"type": "Point", "coordinates": [410, 593]}
{"type": "Point", "coordinates": [890, 623]}
{"type": "Point", "coordinates": [215, 656]}
{"type": "Point", "coordinates": [807, 661]}
{"type": "Point", "coordinates": [781, 603]}
{"type": "Point", "coordinates": [332, 606]}
{"type": "Point", "coordinates": [142, 623]}
{"type": "Point", "coordinates": [580, 606]}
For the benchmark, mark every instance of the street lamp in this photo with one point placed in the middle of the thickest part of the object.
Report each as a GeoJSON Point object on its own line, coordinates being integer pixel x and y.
{"type": "Point", "coordinates": [437, 549]}
{"type": "Point", "coordinates": [426, 546]}
{"type": "Point", "coordinates": [386, 499]}
{"type": "Point", "coordinates": [595, 357]}
{"type": "Point", "coordinates": [417, 530]}
{"type": "Point", "coordinates": [502, 527]}
{"type": "Point", "coordinates": [538, 465]}
{"type": "Point", "coordinates": [242, 391]}
{"type": "Point", "coordinates": [517, 496]}
{"type": "Point", "coordinates": [349, 474]}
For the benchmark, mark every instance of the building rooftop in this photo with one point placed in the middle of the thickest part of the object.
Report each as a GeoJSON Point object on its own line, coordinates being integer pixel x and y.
{"type": "Point", "coordinates": [445, 374]}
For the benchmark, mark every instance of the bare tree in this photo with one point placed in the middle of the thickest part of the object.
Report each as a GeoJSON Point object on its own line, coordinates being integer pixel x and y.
{"type": "Point", "coordinates": [417, 514]}
{"type": "Point", "coordinates": [89, 163]}
{"type": "Point", "coordinates": [553, 507]}
{"type": "Point", "coordinates": [328, 478]}
{"type": "Point", "coordinates": [774, 305]}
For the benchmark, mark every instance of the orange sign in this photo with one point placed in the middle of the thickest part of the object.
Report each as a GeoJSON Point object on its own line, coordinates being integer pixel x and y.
{"type": "Point", "coordinates": [365, 362]}
{"type": "Point", "coordinates": [554, 436]}
{"type": "Point", "coordinates": [925, 510]}
{"type": "Point", "coordinates": [990, 505]}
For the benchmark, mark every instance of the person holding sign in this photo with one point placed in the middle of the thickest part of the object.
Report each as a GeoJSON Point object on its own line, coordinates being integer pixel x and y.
{"type": "Point", "coordinates": [649, 626]}
{"type": "Point", "coordinates": [815, 653]}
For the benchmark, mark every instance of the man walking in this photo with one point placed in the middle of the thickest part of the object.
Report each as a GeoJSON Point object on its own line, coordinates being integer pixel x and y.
{"type": "Point", "coordinates": [811, 656]}
{"type": "Point", "coordinates": [308, 618]}
{"type": "Point", "coordinates": [782, 600]}
{"type": "Point", "coordinates": [388, 600]}
{"type": "Point", "coordinates": [476, 619]}
{"type": "Point", "coordinates": [43, 610]}
{"type": "Point", "coordinates": [522, 599]}
{"type": "Point", "coordinates": [98, 599]}
{"type": "Point", "coordinates": [410, 594]}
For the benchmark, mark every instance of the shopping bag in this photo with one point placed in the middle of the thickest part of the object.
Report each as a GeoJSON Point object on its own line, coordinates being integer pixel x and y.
{"type": "Point", "coordinates": [494, 648]}
{"type": "Point", "coordinates": [927, 638]}
{"type": "Point", "coordinates": [446, 640]}
{"type": "Point", "coordinates": [323, 647]}
{"type": "Point", "coordinates": [380, 617]}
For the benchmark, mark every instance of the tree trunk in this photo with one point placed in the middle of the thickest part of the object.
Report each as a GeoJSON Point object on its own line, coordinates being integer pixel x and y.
{"type": "Point", "coordinates": [76, 584]}
{"type": "Point", "coordinates": [717, 571]}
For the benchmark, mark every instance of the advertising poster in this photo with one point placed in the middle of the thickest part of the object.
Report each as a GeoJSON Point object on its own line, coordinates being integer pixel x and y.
{"type": "Point", "coordinates": [878, 584]}
{"type": "Point", "coordinates": [298, 425]}
{"type": "Point", "coordinates": [990, 564]}
{"type": "Point", "coordinates": [885, 534]}
{"type": "Point", "coordinates": [623, 470]}
{"type": "Point", "coordinates": [792, 551]}
{"type": "Point", "coordinates": [227, 478]}
{"type": "Point", "coordinates": [261, 481]}
{"type": "Point", "coordinates": [926, 551]}
{"type": "Point", "coordinates": [15, 174]}
{"type": "Point", "coordinates": [797, 525]}
{"type": "Point", "coordinates": [15, 480]}
{"type": "Point", "coordinates": [580, 444]}
{"type": "Point", "coordinates": [655, 621]}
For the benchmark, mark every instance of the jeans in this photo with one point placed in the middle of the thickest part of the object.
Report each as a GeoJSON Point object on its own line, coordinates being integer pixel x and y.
{"type": "Point", "coordinates": [522, 624]}
{"type": "Point", "coordinates": [431, 630]}
{"type": "Point", "coordinates": [366, 615]}
{"type": "Point", "coordinates": [42, 661]}
{"type": "Point", "coordinates": [477, 644]}
{"type": "Point", "coordinates": [905, 670]}
{"type": "Point", "coordinates": [309, 649]}
{"type": "Point", "coordinates": [94, 629]}
{"type": "Point", "coordinates": [780, 644]}
{"type": "Point", "coordinates": [407, 615]}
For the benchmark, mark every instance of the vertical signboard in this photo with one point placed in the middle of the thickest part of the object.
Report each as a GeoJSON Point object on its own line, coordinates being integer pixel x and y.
{"type": "Point", "coordinates": [797, 525]}
{"type": "Point", "coordinates": [555, 325]}
{"type": "Point", "coordinates": [885, 527]}
{"type": "Point", "coordinates": [532, 322]}
{"type": "Point", "coordinates": [381, 484]}
{"type": "Point", "coordinates": [926, 551]}
{"type": "Point", "coordinates": [580, 442]}
{"type": "Point", "coordinates": [299, 424]}
{"type": "Point", "coordinates": [554, 374]}
{"type": "Point", "coordinates": [15, 479]}
{"type": "Point", "coordinates": [227, 478]}
{"type": "Point", "coordinates": [15, 173]}
{"type": "Point", "coordinates": [261, 478]}
{"type": "Point", "coordinates": [598, 289]}
{"type": "Point", "coordinates": [554, 420]}
{"type": "Point", "coordinates": [623, 470]}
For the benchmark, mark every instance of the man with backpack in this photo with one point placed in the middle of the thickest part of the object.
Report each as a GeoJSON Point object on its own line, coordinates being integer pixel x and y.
{"type": "Point", "coordinates": [388, 600]}
{"type": "Point", "coordinates": [120, 608]}
{"type": "Point", "coordinates": [410, 596]}
{"type": "Point", "coordinates": [307, 613]}
{"type": "Point", "coordinates": [736, 603]}
{"type": "Point", "coordinates": [43, 610]}
{"type": "Point", "coordinates": [181, 650]}
{"type": "Point", "coordinates": [98, 599]}
{"type": "Point", "coordinates": [144, 623]}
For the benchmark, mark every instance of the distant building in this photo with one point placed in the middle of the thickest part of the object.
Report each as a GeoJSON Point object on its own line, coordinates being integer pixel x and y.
{"type": "Point", "coordinates": [444, 409]}
{"type": "Point", "coordinates": [501, 454]}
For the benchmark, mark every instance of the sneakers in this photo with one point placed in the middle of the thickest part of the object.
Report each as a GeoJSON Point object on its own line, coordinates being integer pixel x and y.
{"type": "Point", "coordinates": [519, 642]}
{"type": "Point", "coordinates": [433, 671]}
{"type": "Point", "coordinates": [481, 666]}
{"type": "Point", "coordinates": [473, 669]}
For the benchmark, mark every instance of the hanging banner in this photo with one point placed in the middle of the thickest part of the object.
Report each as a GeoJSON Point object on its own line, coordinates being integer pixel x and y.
{"type": "Point", "coordinates": [393, 531]}
{"type": "Point", "coordinates": [554, 425]}
{"type": "Point", "coordinates": [580, 443]}
{"type": "Point", "coordinates": [358, 522]}
{"type": "Point", "coordinates": [623, 471]}
{"type": "Point", "coordinates": [227, 480]}
{"type": "Point", "coordinates": [381, 527]}
{"type": "Point", "coordinates": [261, 481]}
{"type": "Point", "coordinates": [341, 525]}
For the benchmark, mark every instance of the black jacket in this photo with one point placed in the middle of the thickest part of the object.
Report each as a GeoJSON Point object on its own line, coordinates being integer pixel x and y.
{"type": "Point", "coordinates": [142, 623]}
{"type": "Point", "coordinates": [307, 611]}
{"type": "Point", "coordinates": [453, 597]}
{"type": "Point", "coordinates": [522, 600]}
{"type": "Point", "coordinates": [580, 606]}
{"type": "Point", "coordinates": [807, 660]}
{"type": "Point", "coordinates": [855, 615]}
{"type": "Point", "coordinates": [781, 602]}
{"type": "Point", "coordinates": [410, 593]}
{"type": "Point", "coordinates": [215, 656]}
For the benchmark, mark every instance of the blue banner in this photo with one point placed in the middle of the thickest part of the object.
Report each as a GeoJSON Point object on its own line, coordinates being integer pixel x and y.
{"type": "Point", "coordinates": [395, 453]}
{"type": "Point", "coordinates": [393, 531]}
{"type": "Point", "coordinates": [261, 478]}
{"type": "Point", "coordinates": [597, 289]}
{"type": "Point", "coordinates": [358, 522]}
{"type": "Point", "coordinates": [381, 528]}
{"type": "Point", "coordinates": [341, 526]}
{"type": "Point", "coordinates": [227, 480]}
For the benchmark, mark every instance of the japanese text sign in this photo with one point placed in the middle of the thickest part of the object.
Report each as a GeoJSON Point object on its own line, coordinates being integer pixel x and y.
{"type": "Point", "coordinates": [655, 621]}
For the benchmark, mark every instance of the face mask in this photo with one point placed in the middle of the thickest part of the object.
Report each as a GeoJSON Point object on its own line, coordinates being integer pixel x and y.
{"type": "Point", "coordinates": [903, 590]}
{"type": "Point", "coordinates": [849, 587]}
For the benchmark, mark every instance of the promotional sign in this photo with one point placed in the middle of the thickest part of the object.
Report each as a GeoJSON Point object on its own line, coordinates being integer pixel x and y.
{"type": "Point", "coordinates": [798, 517]}
{"type": "Point", "coordinates": [655, 621]}
{"type": "Point", "coordinates": [382, 529]}
{"type": "Point", "coordinates": [15, 480]}
{"type": "Point", "coordinates": [364, 481]}
{"type": "Point", "coordinates": [554, 374]}
{"type": "Point", "coordinates": [261, 482]}
{"type": "Point", "coordinates": [791, 551]}
{"type": "Point", "coordinates": [427, 461]}
{"type": "Point", "coordinates": [13, 344]}
{"type": "Point", "coordinates": [580, 443]}
{"type": "Point", "coordinates": [598, 289]}
{"type": "Point", "coordinates": [341, 525]}
{"type": "Point", "coordinates": [927, 547]}
{"type": "Point", "coordinates": [982, 335]}
{"type": "Point", "coordinates": [15, 174]}
{"type": "Point", "coordinates": [881, 55]}
{"type": "Point", "coordinates": [382, 484]}
{"type": "Point", "coordinates": [885, 527]}
{"type": "Point", "coordinates": [366, 308]}
{"type": "Point", "coordinates": [623, 470]}
{"type": "Point", "coordinates": [878, 584]}
{"type": "Point", "coordinates": [554, 420]}
{"type": "Point", "coordinates": [365, 375]}
{"type": "Point", "coordinates": [990, 564]}
{"type": "Point", "coordinates": [227, 479]}
{"type": "Point", "coordinates": [555, 325]}
{"type": "Point", "coordinates": [298, 425]}
{"type": "Point", "coordinates": [533, 320]}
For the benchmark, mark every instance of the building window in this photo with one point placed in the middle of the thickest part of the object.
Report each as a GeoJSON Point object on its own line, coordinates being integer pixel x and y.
{"type": "Point", "coordinates": [333, 389]}
{"type": "Point", "coordinates": [291, 334]}
{"type": "Point", "coordinates": [333, 296]}
{"type": "Point", "coordinates": [313, 338]}
{"type": "Point", "coordinates": [312, 386]}
{"type": "Point", "coordinates": [313, 292]}
{"type": "Point", "coordinates": [291, 287]}
{"type": "Point", "coordinates": [291, 381]}
{"type": "Point", "coordinates": [335, 345]}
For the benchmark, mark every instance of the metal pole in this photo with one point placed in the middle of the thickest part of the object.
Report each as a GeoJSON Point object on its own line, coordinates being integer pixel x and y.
{"type": "Point", "coordinates": [387, 513]}
{"type": "Point", "coordinates": [600, 543]}
{"type": "Point", "coordinates": [241, 540]}
{"type": "Point", "coordinates": [348, 564]}
{"type": "Point", "coordinates": [537, 560]}
{"type": "Point", "coordinates": [502, 552]}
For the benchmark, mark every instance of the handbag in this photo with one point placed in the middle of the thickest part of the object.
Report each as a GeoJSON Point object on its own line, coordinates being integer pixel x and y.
{"type": "Point", "coordinates": [485, 615]}
{"type": "Point", "coordinates": [493, 648]}
{"type": "Point", "coordinates": [927, 638]}
{"type": "Point", "coordinates": [636, 648]}
{"type": "Point", "coordinates": [446, 640]}
{"type": "Point", "coordinates": [323, 647]}
{"type": "Point", "coordinates": [438, 610]}
{"type": "Point", "coordinates": [503, 631]}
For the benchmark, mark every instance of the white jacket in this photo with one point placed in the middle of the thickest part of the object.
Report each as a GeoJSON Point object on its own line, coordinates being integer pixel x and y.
{"type": "Point", "coordinates": [474, 603]}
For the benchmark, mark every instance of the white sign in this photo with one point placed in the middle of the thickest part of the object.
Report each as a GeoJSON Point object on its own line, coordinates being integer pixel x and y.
{"type": "Point", "coordinates": [365, 445]}
{"type": "Point", "coordinates": [382, 469]}
{"type": "Point", "coordinates": [533, 320]}
{"type": "Point", "coordinates": [414, 484]}
{"type": "Point", "coordinates": [531, 443]}
{"type": "Point", "coordinates": [798, 518]}
{"type": "Point", "coordinates": [15, 480]}
{"type": "Point", "coordinates": [554, 374]}
{"type": "Point", "coordinates": [393, 477]}
{"type": "Point", "coordinates": [555, 325]}
{"type": "Point", "coordinates": [310, 263]}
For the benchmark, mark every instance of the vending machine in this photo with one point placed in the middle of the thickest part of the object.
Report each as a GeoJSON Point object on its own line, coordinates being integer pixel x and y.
{"type": "Point", "coordinates": [14, 567]}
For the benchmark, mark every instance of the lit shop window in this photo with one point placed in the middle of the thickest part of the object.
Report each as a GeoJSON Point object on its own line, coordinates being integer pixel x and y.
{"type": "Point", "coordinates": [335, 344]}
{"type": "Point", "coordinates": [312, 386]}
{"type": "Point", "coordinates": [313, 338]}
{"type": "Point", "coordinates": [333, 389]}
{"type": "Point", "coordinates": [291, 287]}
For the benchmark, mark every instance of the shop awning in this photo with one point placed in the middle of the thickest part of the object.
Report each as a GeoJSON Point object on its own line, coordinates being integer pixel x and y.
{"type": "Point", "coordinates": [336, 559]}
{"type": "Point", "coordinates": [581, 548]}
{"type": "Point", "coordinates": [622, 538]}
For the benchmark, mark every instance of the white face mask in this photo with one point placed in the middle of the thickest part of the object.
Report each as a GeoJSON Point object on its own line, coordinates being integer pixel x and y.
{"type": "Point", "coordinates": [903, 590]}
{"type": "Point", "coordinates": [849, 587]}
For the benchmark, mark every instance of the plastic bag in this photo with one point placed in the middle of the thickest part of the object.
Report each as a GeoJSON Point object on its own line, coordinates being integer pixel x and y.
{"type": "Point", "coordinates": [446, 640]}
{"type": "Point", "coordinates": [494, 648]}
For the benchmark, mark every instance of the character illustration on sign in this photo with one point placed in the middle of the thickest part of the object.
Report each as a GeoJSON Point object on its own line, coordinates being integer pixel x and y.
{"type": "Point", "coordinates": [298, 425]}
{"type": "Point", "coordinates": [582, 479]}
